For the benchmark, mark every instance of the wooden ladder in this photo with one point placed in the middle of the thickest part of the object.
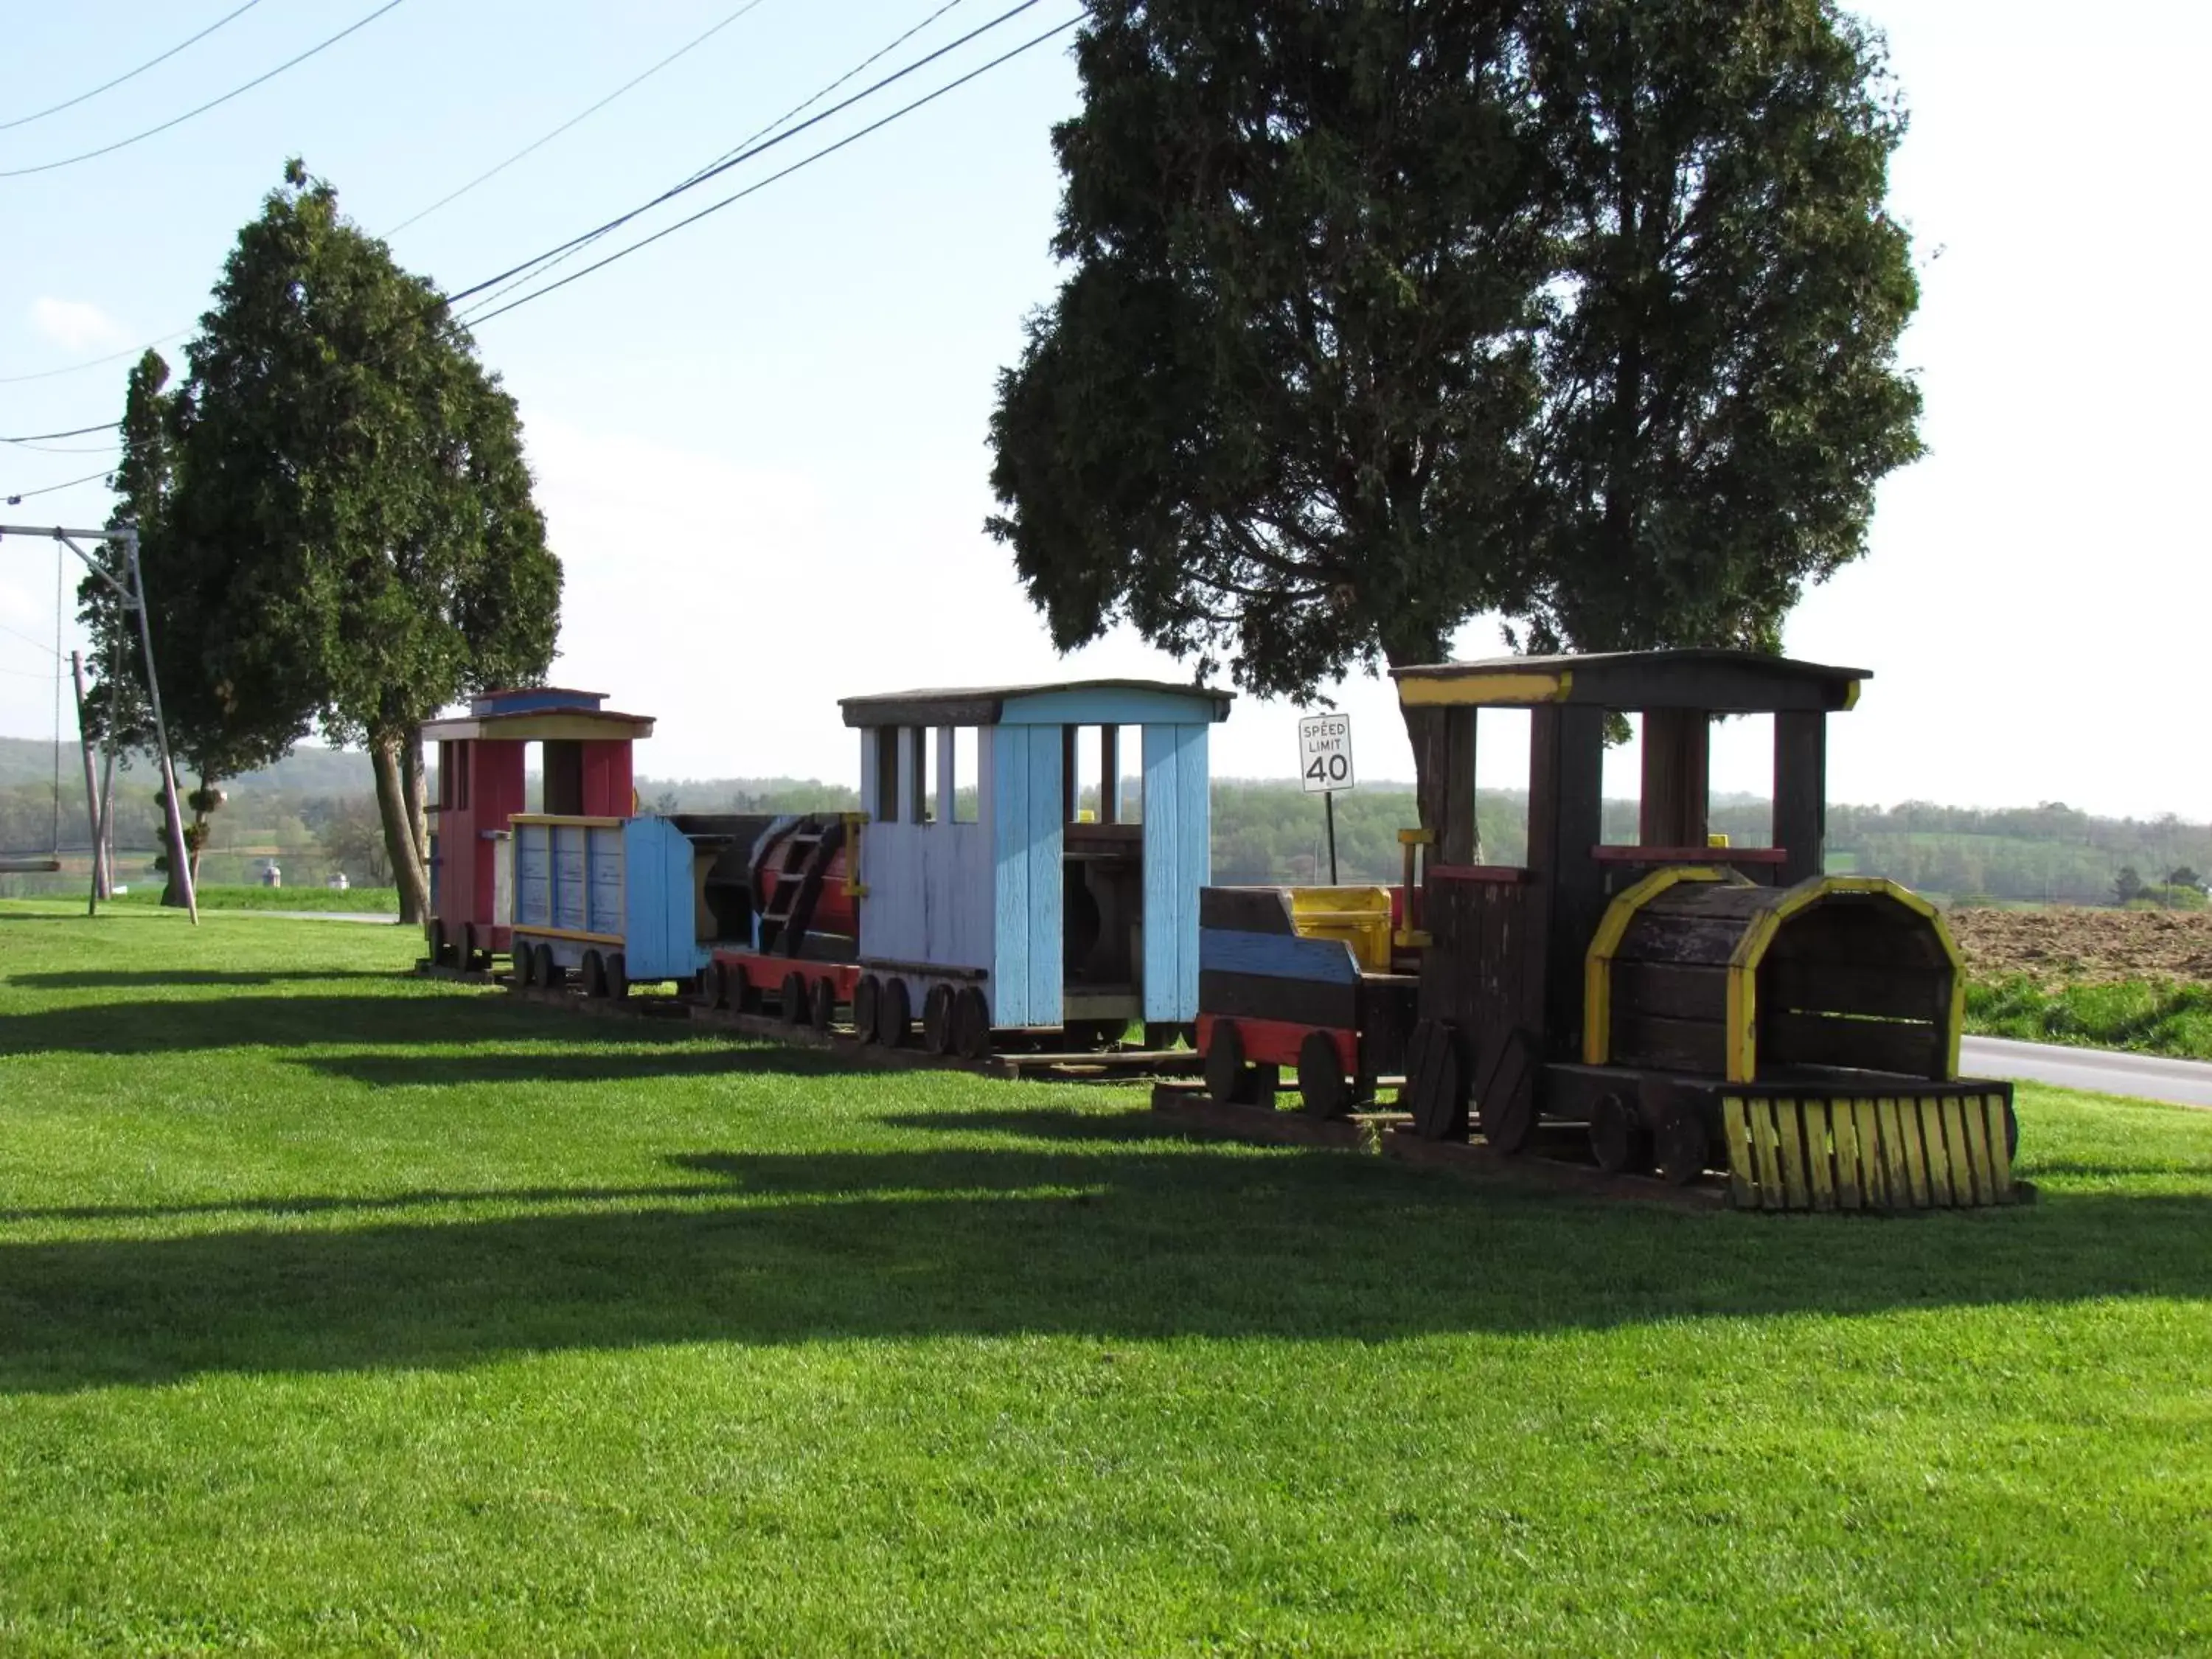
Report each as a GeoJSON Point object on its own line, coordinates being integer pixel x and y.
{"type": "Point", "coordinates": [803, 862]}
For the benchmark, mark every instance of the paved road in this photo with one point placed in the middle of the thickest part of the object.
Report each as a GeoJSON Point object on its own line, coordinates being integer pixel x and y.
{"type": "Point", "coordinates": [2145, 1077]}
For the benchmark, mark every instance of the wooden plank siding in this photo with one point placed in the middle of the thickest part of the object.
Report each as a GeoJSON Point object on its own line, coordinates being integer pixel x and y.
{"type": "Point", "coordinates": [1026, 849]}
{"type": "Point", "coordinates": [1178, 828]}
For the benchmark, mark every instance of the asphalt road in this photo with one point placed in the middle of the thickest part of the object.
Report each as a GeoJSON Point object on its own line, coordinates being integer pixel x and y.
{"type": "Point", "coordinates": [2144, 1077]}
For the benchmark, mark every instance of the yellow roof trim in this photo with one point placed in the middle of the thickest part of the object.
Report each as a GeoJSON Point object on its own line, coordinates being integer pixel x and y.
{"type": "Point", "coordinates": [1465, 690]}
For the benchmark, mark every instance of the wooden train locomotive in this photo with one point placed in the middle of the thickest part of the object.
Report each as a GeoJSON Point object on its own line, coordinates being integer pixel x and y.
{"type": "Point", "coordinates": [1695, 1006]}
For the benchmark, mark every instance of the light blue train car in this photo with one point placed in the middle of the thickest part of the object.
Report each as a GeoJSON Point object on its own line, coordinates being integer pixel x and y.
{"type": "Point", "coordinates": [1032, 859]}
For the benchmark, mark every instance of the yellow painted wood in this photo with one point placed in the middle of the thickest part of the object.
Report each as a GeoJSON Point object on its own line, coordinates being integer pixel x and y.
{"type": "Point", "coordinates": [1843, 1127]}
{"type": "Point", "coordinates": [1874, 1179]}
{"type": "Point", "coordinates": [1743, 1173]}
{"type": "Point", "coordinates": [1481, 690]}
{"type": "Point", "coordinates": [1977, 1149]}
{"type": "Point", "coordinates": [1762, 1142]}
{"type": "Point", "coordinates": [1820, 1156]}
{"type": "Point", "coordinates": [2000, 1156]}
{"type": "Point", "coordinates": [1597, 962]}
{"type": "Point", "coordinates": [570, 934]}
{"type": "Point", "coordinates": [567, 823]}
{"type": "Point", "coordinates": [1795, 1185]}
{"type": "Point", "coordinates": [1964, 1191]}
{"type": "Point", "coordinates": [1907, 1118]}
{"type": "Point", "coordinates": [1939, 1191]}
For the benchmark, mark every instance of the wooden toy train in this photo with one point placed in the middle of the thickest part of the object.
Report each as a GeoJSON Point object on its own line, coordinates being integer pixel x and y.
{"type": "Point", "coordinates": [1689, 1005]}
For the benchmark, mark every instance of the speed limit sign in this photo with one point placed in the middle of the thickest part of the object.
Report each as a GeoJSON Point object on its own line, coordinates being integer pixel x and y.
{"type": "Point", "coordinates": [1325, 752]}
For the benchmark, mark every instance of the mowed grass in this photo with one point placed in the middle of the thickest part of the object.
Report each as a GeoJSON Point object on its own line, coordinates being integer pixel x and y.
{"type": "Point", "coordinates": [343, 1311]}
{"type": "Point", "coordinates": [360, 901]}
{"type": "Point", "coordinates": [2152, 1017]}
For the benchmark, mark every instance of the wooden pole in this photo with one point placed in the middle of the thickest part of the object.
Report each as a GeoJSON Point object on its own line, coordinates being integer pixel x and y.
{"type": "Point", "coordinates": [1328, 809]}
{"type": "Point", "coordinates": [91, 789]}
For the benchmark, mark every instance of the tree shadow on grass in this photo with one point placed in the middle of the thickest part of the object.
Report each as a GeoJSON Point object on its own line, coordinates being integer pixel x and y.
{"type": "Point", "coordinates": [1077, 1239]}
{"type": "Point", "coordinates": [145, 979]}
{"type": "Point", "coordinates": [695, 1055]}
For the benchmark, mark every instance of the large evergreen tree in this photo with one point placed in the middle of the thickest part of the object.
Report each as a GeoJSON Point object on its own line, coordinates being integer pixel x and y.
{"type": "Point", "coordinates": [342, 455]}
{"type": "Point", "coordinates": [1385, 315]}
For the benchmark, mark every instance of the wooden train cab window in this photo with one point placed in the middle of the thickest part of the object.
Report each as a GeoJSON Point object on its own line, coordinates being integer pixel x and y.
{"type": "Point", "coordinates": [921, 770]}
{"type": "Point", "coordinates": [449, 772]}
{"type": "Point", "coordinates": [1503, 739]}
{"type": "Point", "coordinates": [1128, 783]}
{"type": "Point", "coordinates": [564, 777]}
{"type": "Point", "coordinates": [887, 775]}
{"type": "Point", "coordinates": [533, 777]}
{"type": "Point", "coordinates": [1079, 782]}
{"type": "Point", "coordinates": [1743, 751]}
{"type": "Point", "coordinates": [963, 778]}
{"type": "Point", "coordinates": [1623, 787]}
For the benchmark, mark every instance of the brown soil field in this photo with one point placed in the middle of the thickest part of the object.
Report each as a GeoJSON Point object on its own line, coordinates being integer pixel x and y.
{"type": "Point", "coordinates": [2081, 946]}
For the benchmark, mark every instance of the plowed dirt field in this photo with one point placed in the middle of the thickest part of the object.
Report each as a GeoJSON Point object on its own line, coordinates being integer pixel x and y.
{"type": "Point", "coordinates": [2070, 946]}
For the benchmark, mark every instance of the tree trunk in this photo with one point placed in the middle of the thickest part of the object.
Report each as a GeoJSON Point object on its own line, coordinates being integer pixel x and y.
{"type": "Point", "coordinates": [386, 754]}
{"type": "Point", "coordinates": [172, 834]}
{"type": "Point", "coordinates": [418, 812]}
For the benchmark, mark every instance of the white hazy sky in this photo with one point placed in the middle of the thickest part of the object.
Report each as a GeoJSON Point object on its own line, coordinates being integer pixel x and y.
{"type": "Point", "coordinates": [760, 442]}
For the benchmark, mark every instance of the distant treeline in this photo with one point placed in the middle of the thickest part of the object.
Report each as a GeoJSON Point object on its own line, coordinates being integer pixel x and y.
{"type": "Point", "coordinates": [310, 813]}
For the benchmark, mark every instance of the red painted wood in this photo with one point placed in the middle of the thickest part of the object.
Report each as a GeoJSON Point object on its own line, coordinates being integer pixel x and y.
{"type": "Point", "coordinates": [1276, 1042]}
{"type": "Point", "coordinates": [1690, 854]}
{"type": "Point", "coordinates": [765, 973]}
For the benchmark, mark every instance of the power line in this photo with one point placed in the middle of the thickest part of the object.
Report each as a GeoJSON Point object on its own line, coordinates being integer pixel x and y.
{"type": "Point", "coordinates": [290, 63]}
{"type": "Point", "coordinates": [27, 639]}
{"type": "Point", "coordinates": [70, 483]}
{"type": "Point", "coordinates": [804, 161]}
{"type": "Point", "coordinates": [547, 139]}
{"type": "Point", "coordinates": [74, 432]}
{"type": "Point", "coordinates": [70, 449]}
{"type": "Point", "coordinates": [705, 174]}
{"type": "Point", "coordinates": [104, 86]}
{"type": "Point", "coordinates": [800, 108]}
{"type": "Point", "coordinates": [94, 363]}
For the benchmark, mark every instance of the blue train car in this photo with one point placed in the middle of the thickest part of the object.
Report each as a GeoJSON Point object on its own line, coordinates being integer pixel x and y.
{"type": "Point", "coordinates": [1019, 893]}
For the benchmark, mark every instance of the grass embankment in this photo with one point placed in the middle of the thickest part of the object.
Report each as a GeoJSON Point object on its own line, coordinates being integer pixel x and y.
{"type": "Point", "coordinates": [2151, 1017]}
{"type": "Point", "coordinates": [361, 900]}
{"type": "Point", "coordinates": [343, 1311]}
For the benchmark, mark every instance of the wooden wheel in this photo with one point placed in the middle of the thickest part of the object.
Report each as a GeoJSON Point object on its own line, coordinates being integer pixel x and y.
{"type": "Point", "coordinates": [550, 974]}
{"type": "Point", "coordinates": [470, 952]}
{"type": "Point", "coordinates": [595, 974]}
{"type": "Point", "coordinates": [525, 964]}
{"type": "Point", "coordinates": [821, 1004]}
{"type": "Point", "coordinates": [937, 1020]}
{"type": "Point", "coordinates": [895, 1015]}
{"type": "Point", "coordinates": [971, 1023]}
{"type": "Point", "coordinates": [1685, 1146]}
{"type": "Point", "coordinates": [1435, 1090]}
{"type": "Point", "coordinates": [1506, 1106]}
{"type": "Point", "coordinates": [616, 968]}
{"type": "Point", "coordinates": [792, 1002]}
{"type": "Point", "coordinates": [744, 991]}
{"type": "Point", "coordinates": [1321, 1077]}
{"type": "Point", "coordinates": [715, 985]}
{"type": "Point", "coordinates": [441, 948]}
{"type": "Point", "coordinates": [867, 1000]}
{"type": "Point", "coordinates": [1228, 1078]}
{"type": "Point", "coordinates": [1617, 1136]}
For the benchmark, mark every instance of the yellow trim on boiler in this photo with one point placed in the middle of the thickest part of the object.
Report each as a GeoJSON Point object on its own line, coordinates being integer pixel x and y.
{"type": "Point", "coordinates": [1597, 965]}
{"type": "Point", "coordinates": [1483, 690]}
{"type": "Point", "coordinates": [1751, 949]}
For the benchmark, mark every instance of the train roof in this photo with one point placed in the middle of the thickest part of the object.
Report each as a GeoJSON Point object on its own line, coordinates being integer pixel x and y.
{"type": "Point", "coordinates": [1069, 703]}
{"type": "Point", "coordinates": [1718, 682]}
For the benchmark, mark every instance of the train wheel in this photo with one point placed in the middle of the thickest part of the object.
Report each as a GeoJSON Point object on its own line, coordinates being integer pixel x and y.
{"type": "Point", "coordinates": [868, 996]}
{"type": "Point", "coordinates": [1684, 1147]}
{"type": "Point", "coordinates": [617, 969]}
{"type": "Point", "coordinates": [550, 974]}
{"type": "Point", "coordinates": [744, 991]}
{"type": "Point", "coordinates": [971, 1023]}
{"type": "Point", "coordinates": [525, 964]}
{"type": "Point", "coordinates": [715, 985]}
{"type": "Point", "coordinates": [791, 1001]}
{"type": "Point", "coordinates": [821, 1005]}
{"type": "Point", "coordinates": [595, 974]}
{"type": "Point", "coordinates": [1435, 1089]}
{"type": "Point", "coordinates": [1321, 1077]}
{"type": "Point", "coordinates": [434, 940]}
{"type": "Point", "coordinates": [1507, 1107]}
{"type": "Point", "coordinates": [1618, 1139]}
{"type": "Point", "coordinates": [1228, 1078]}
{"type": "Point", "coordinates": [937, 1020]}
{"type": "Point", "coordinates": [895, 1015]}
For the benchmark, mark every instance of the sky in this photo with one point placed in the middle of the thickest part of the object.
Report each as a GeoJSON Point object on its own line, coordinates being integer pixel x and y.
{"type": "Point", "coordinates": [760, 444]}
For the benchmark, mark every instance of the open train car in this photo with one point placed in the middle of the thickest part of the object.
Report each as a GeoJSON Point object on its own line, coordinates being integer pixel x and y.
{"type": "Point", "coordinates": [1695, 1006]}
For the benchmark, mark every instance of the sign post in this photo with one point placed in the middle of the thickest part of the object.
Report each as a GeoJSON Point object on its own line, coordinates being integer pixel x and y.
{"type": "Point", "coordinates": [1325, 767]}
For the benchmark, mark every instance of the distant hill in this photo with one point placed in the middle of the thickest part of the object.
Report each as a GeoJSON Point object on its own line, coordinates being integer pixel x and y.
{"type": "Point", "coordinates": [307, 771]}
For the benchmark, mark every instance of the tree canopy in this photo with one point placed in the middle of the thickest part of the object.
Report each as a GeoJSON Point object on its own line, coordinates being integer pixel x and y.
{"type": "Point", "coordinates": [349, 484]}
{"type": "Point", "coordinates": [1378, 318]}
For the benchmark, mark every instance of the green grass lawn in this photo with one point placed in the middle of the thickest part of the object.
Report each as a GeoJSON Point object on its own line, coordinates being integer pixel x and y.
{"type": "Point", "coordinates": [344, 1311]}
{"type": "Point", "coordinates": [2151, 1017]}
{"type": "Point", "coordinates": [359, 901]}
